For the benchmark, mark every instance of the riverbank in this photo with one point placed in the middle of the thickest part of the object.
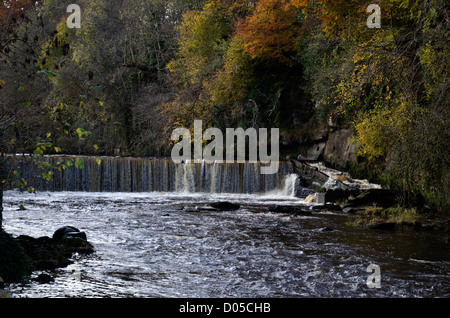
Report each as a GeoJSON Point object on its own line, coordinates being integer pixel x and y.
{"type": "Point", "coordinates": [369, 205]}
{"type": "Point", "coordinates": [23, 255]}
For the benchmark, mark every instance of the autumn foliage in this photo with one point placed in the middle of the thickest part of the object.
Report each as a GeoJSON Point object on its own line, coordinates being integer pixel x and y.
{"type": "Point", "coordinates": [12, 13]}
{"type": "Point", "coordinates": [137, 69]}
{"type": "Point", "coordinates": [270, 32]}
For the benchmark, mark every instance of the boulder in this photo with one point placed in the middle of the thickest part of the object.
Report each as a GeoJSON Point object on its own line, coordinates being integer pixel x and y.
{"type": "Point", "coordinates": [49, 253]}
{"type": "Point", "coordinates": [15, 265]}
{"type": "Point", "coordinates": [44, 279]}
{"type": "Point", "coordinates": [334, 184]}
{"type": "Point", "coordinates": [336, 195]}
{"type": "Point", "coordinates": [68, 232]}
{"type": "Point", "coordinates": [349, 209]}
{"type": "Point", "coordinates": [381, 197]}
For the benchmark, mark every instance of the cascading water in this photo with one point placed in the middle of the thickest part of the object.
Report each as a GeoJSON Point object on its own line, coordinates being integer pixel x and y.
{"type": "Point", "coordinates": [291, 185]}
{"type": "Point", "coordinates": [114, 174]}
{"type": "Point", "coordinates": [166, 242]}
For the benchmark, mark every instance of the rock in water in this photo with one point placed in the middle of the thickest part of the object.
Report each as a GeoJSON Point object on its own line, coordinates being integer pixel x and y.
{"type": "Point", "coordinates": [50, 253]}
{"type": "Point", "coordinates": [225, 206]}
{"type": "Point", "coordinates": [310, 198]}
{"type": "Point", "coordinates": [289, 210]}
{"type": "Point", "coordinates": [68, 232]}
{"type": "Point", "coordinates": [44, 279]}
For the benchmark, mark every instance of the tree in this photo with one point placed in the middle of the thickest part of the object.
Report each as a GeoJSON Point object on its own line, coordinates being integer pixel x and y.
{"type": "Point", "coordinates": [270, 32]}
{"type": "Point", "coordinates": [25, 117]}
{"type": "Point", "coordinates": [231, 64]}
{"type": "Point", "coordinates": [203, 39]}
{"type": "Point", "coordinates": [13, 14]}
{"type": "Point", "coordinates": [386, 84]}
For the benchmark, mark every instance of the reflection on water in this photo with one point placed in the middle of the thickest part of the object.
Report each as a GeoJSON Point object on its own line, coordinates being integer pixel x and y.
{"type": "Point", "coordinates": [165, 245]}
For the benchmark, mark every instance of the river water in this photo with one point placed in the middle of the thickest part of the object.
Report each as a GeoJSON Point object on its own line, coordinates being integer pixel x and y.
{"type": "Point", "coordinates": [163, 244]}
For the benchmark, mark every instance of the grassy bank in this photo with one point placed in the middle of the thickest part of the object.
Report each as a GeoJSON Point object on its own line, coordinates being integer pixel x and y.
{"type": "Point", "coordinates": [376, 215]}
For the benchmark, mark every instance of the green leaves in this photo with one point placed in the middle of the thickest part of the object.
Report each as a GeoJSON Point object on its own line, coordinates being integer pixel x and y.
{"type": "Point", "coordinates": [17, 180]}
{"type": "Point", "coordinates": [50, 74]}
{"type": "Point", "coordinates": [48, 175]}
{"type": "Point", "coordinates": [38, 151]}
{"type": "Point", "coordinates": [79, 163]}
{"type": "Point", "coordinates": [82, 133]}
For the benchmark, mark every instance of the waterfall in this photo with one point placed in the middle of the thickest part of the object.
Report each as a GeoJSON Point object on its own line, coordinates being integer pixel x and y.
{"type": "Point", "coordinates": [116, 174]}
{"type": "Point", "coordinates": [291, 185]}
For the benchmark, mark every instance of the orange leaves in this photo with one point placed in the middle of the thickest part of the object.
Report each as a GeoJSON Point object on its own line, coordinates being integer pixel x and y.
{"type": "Point", "coordinates": [12, 13]}
{"type": "Point", "coordinates": [270, 32]}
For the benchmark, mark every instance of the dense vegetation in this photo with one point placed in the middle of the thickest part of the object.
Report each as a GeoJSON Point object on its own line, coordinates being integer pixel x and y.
{"type": "Point", "coordinates": [137, 69]}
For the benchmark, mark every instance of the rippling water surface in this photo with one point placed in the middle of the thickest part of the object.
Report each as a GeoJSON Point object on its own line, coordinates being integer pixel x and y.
{"type": "Point", "coordinates": [162, 245]}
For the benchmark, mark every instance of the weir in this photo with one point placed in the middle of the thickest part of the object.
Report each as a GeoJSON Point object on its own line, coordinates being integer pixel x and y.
{"type": "Point", "coordinates": [118, 174]}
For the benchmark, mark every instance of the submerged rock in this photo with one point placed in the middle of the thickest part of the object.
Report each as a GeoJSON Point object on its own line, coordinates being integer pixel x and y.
{"type": "Point", "coordinates": [327, 207]}
{"type": "Point", "coordinates": [289, 209]}
{"type": "Point", "coordinates": [225, 206]}
{"type": "Point", "coordinates": [381, 226]}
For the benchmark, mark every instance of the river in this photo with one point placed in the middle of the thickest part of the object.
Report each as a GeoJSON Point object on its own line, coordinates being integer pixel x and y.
{"type": "Point", "coordinates": [153, 237]}
{"type": "Point", "coordinates": [163, 244]}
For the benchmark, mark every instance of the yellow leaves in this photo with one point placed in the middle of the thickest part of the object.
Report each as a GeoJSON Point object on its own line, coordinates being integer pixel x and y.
{"type": "Point", "coordinates": [431, 58]}
{"type": "Point", "coordinates": [379, 130]}
{"type": "Point", "coordinates": [372, 134]}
